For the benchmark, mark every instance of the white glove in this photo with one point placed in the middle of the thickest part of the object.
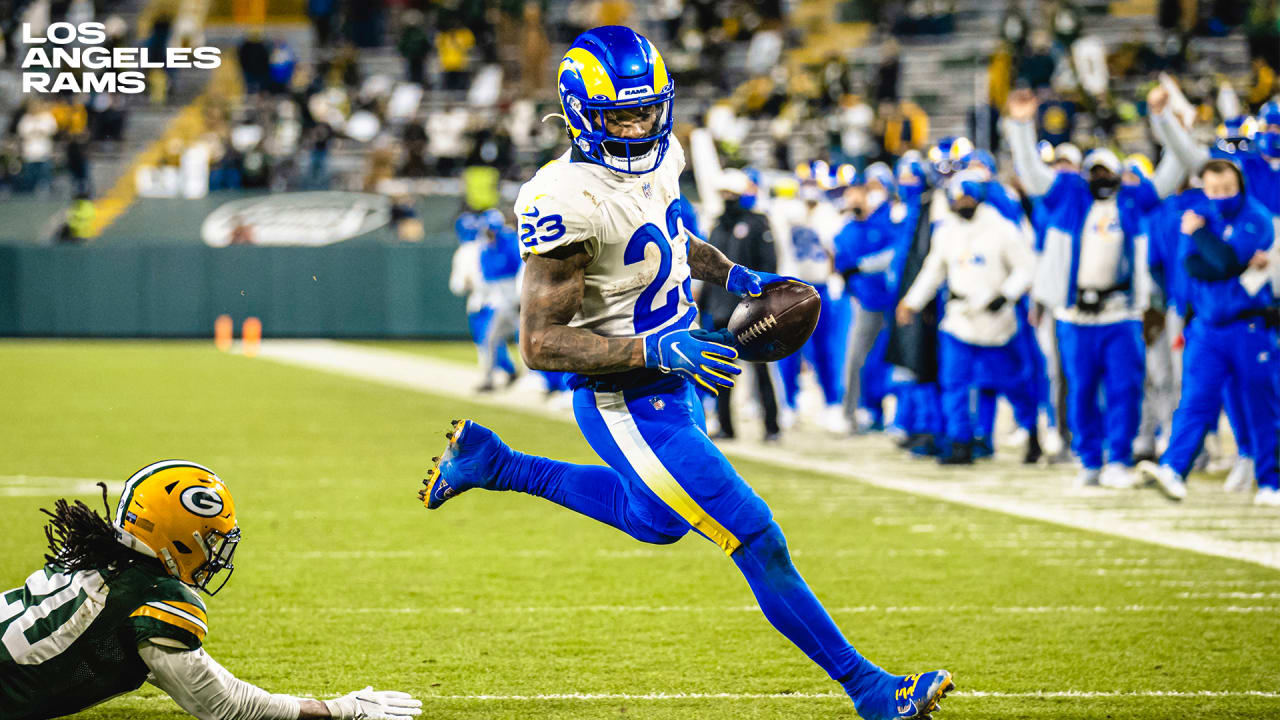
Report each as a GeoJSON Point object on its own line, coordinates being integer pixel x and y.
{"type": "Point", "coordinates": [370, 704]}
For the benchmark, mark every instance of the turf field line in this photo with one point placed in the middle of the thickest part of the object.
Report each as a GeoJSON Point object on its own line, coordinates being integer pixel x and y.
{"type": "Point", "coordinates": [1074, 694]}
{"type": "Point", "coordinates": [1136, 515]}
{"type": "Point", "coordinates": [48, 485]}
{"type": "Point", "coordinates": [694, 609]}
{"type": "Point", "coordinates": [669, 696]}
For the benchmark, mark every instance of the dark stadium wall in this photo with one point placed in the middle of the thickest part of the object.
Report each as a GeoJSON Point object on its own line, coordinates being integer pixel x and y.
{"type": "Point", "coordinates": [340, 291]}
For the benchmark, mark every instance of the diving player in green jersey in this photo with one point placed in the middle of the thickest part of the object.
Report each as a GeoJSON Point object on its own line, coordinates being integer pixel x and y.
{"type": "Point", "coordinates": [116, 605]}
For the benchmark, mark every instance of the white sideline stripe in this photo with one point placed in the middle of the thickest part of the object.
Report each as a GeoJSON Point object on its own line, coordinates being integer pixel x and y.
{"type": "Point", "coordinates": [693, 609]}
{"type": "Point", "coordinates": [435, 377]}
{"type": "Point", "coordinates": [48, 485]}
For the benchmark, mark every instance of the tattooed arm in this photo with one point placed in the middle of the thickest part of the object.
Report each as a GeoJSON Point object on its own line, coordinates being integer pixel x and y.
{"type": "Point", "coordinates": [552, 295]}
{"type": "Point", "coordinates": [707, 263]}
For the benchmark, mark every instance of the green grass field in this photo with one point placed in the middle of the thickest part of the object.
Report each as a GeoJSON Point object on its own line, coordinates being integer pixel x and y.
{"type": "Point", "coordinates": [345, 580]}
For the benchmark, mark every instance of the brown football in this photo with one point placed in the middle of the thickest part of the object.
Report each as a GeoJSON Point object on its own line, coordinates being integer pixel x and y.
{"type": "Point", "coordinates": [777, 323]}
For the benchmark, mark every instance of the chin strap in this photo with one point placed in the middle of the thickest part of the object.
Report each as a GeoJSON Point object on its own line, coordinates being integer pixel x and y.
{"type": "Point", "coordinates": [563, 119]}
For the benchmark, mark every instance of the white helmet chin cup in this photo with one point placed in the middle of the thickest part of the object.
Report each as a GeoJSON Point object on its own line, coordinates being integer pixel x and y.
{"type": "Point", "coordinates": [639, 164]}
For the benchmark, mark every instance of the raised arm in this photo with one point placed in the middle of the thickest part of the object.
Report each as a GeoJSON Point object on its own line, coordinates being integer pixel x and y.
{"type": "Point", "coordinates": [1166, 126]}
{"type": "Point", "coordinates": [1020, 131]}
{"type": "Point", "coordinates": [552, 295]}
{"type": "Point", "coordinates": [1169, 175]}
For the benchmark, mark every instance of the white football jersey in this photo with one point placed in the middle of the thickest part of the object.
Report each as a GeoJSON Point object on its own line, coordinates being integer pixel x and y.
{"type": "Point", "coordinates": [638, 281]}
{"type": "Point", "coordinates": [806, 238]}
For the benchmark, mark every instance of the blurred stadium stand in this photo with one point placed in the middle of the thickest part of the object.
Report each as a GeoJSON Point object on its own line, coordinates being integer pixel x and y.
{"type": "Point", "coordinates": [777, 84]}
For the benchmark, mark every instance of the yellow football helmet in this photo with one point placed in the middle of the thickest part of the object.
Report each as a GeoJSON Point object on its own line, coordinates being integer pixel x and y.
{"type": "Point", "coordinates": [181, 513]}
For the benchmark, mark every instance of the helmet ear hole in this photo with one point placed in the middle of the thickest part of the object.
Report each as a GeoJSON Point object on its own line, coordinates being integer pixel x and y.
{"type": "Point", "coordinates": [182, 548]}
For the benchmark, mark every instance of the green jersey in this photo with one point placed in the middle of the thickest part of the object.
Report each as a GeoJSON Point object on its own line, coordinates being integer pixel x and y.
{"type": "Point", "coordinates": [70, 640]}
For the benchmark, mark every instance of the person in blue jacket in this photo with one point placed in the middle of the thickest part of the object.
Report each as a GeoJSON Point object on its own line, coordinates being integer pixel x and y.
{"type": "Point", "coordinates": [1231, 335]}
{"type": "Point", "coordinates": [1254, 146]}
{"type": "Point", "coordinates": [499, 268]}
{"type": "Point", "coordinates": [865, 250]}
{"type": "Point", "coordinates": [911, 350]}
{"type": "Point", "coordinates": [1093, 275]}
{"type": "Point", "coordinates": [466, 280]}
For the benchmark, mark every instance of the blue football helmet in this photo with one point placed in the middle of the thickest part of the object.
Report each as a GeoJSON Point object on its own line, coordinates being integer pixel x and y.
{"type": "Point", "coordinates": [467, 226]}
{"type": "Point", "coordinates": [948, 155]}
{"type": "Point", "coordinates": [881, 173]}
{"type": "Point", "coordinates": [1235, 137]}
{"type": "Point", "coordinates": [614, 72]}
{"type": "Point", "coordinates": [982, 158]}
{"type": "Point", "coordinates": [912, 164]}
{"type": "Point", "coordinates": [1267, 138]}
{"type": "Point", "coordinates": [492, 220]}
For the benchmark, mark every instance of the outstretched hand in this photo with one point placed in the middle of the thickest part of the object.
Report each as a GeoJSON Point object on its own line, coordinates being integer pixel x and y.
{"type": "Point", "coordinates": [1023, 105]}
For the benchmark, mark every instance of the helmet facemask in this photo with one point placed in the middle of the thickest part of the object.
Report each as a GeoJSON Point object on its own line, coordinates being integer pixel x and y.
{"type": "Point", "coordinates": [219, 548]}
{"type": "Point", "coordinates": [630, 139]}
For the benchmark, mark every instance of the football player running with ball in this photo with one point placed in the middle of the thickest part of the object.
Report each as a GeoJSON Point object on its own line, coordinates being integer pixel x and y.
{"type": "Point", "coordinates": [116, 605]}
{"type": "Point", "coordinates": [607, 296]}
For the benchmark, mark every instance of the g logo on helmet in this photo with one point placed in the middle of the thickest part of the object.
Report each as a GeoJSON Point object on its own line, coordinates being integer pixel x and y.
{"type": "Point", "coordinates": [200, 500]}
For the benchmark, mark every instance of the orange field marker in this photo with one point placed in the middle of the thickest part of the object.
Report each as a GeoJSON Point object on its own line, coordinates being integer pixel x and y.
{"type": "Point", "coordinates": [223, 329]}
{"type": "Point", "coordinates": [251, 335]}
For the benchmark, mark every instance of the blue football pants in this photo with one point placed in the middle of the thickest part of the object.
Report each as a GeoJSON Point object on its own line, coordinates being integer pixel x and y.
{"type": "Point", "coordinates": [1242, 355]}
{"type": "Point", "coordinates": [1103, 360]}
{"type": "Point", "coordinates": [664, 477]}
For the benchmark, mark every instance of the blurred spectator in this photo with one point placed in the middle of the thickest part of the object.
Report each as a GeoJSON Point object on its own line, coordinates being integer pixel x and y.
{"type": "Point", "coordinates": [280, 67]}
{"type": "Point", "coordinates": [414, 46]}
{"type": "Point", "coordinates": [888, 73]}
{"type": "Point", "coordinates": [35, 133]}
{"type": "Point", "coordinates": [535, 51]}
{"type": "Point", "coordinates": [79, 220]}
{"type": "Point", "coordinates": [926, 17]}
{"type": "Point", "coordinates": [453, 48]}
{"type": "Point", "coordinates": [905, 127]}
{"type": "Point", "coordinates": [1066, 25]}
{"type": "Point", "coordinates": [415, 163]}
{"type": "Point", "coordinates": [319, 137]}
{"type": "Point", "coordinates": [743, 235]}
{"type": "Point", "coordinates": [107, 116]}
{"type": "Point", "coordinates": [851, 125]}
{"type": "Point", "coordinates": [255, 62]}
{"type": "Point", "coordinates": [1056, 120]}
{"type": "Point", "coordinates": [366, 22]}
{"type": "Point", "coordinates": [404, 218]}
{"type": "Point", "coordinates": [1013, 30]}
{"type": "Point", "coordinates": [1000, 75]}
{"type": "Point", "coordinates": [322, 14]}
{"type": "Point", "coordinates": [1263, 30]}
{"type": "Point", "coordinates": [1036, 69]}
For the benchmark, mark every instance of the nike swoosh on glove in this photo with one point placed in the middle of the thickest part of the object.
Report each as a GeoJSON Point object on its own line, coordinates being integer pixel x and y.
{"type": "Point", "coordinates": [702, 356]}
{"type": "Point", "coordinates": [370, 704]}
{"type": "Point", "coordinates": [743, 281]}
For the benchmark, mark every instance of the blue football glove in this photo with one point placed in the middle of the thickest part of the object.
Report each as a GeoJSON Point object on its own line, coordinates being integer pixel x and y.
{"type": "Point", "coordinates": [703, 356]}
{"type": "Point", "coordinates": [751, 282]}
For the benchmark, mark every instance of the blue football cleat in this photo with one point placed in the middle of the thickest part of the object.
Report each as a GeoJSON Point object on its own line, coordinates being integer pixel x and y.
{"type": "Point", "coordinates": [471, 460]}
{"type": "Point", "coordinates": [915, 697]}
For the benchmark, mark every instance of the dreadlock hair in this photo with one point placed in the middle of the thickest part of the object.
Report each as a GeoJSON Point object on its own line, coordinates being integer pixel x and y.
{"type": "Point", "coordinates": [81, 539]}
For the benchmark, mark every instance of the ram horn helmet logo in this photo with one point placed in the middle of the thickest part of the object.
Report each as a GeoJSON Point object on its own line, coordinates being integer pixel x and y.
{"type": "Point", "coordinates": [202, 501]}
